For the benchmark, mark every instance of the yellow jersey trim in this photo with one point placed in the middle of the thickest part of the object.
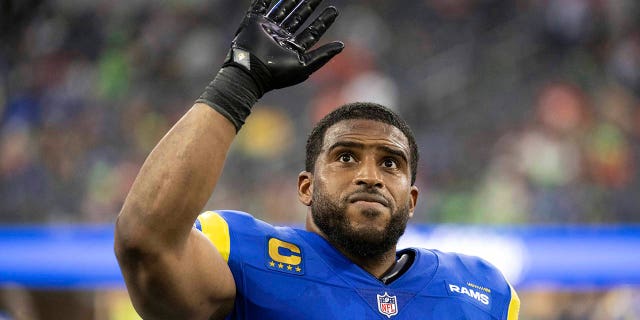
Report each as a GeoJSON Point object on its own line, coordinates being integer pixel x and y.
{"type": "Point", "coordinates": [216, 229]}
{"type": "Point", "coordinates": [514, 305]}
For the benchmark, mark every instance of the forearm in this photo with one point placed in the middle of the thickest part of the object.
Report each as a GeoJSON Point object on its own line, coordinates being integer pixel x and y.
{"type": "Point", "coordinates": [177, 179]}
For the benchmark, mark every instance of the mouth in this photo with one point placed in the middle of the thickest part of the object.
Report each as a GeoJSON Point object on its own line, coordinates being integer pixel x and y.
{"type": "Point", "coordinates": [368, 197]}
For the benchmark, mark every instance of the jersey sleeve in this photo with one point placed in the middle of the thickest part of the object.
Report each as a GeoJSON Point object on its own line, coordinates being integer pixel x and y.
{"type": "Point", "coordinates": [496, 279]}
{"type": "Point", "coordinates": [216, 229]}
{"type": "Point", "coordinates": [514, 305]}
{"type": "Point", "coordinates": [475, 280]}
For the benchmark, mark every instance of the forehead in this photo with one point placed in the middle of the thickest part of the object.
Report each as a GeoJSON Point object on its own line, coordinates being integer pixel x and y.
{"type": "Point", "coordinates": [365, 131]}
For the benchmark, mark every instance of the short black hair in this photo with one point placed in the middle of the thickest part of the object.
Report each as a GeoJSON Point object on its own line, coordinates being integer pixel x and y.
{"type": "Point", "coordinates": [364, 111]}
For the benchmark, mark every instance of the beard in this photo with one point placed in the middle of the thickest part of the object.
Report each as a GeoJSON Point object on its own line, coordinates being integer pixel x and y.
{"type": "Point", "coordinates": [368, 242]}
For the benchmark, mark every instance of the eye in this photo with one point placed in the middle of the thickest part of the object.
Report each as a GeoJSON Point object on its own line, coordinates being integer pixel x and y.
{"type": "Point", "coordinates": [389, 163]}
{"type": "Point", "coordinates": [346, 157]}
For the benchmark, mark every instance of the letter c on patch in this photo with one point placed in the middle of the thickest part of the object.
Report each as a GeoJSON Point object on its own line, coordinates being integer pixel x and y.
{"type": "Point", "coordinates": [274, 252]}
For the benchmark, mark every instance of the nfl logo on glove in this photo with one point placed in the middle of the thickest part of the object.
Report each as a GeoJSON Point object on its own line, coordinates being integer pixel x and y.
{"type": "Point", "coordinates": [387, 305]}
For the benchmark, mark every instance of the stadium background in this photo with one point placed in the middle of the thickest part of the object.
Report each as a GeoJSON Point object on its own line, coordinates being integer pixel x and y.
{"type": "Point", "coordinates": [527, 113]}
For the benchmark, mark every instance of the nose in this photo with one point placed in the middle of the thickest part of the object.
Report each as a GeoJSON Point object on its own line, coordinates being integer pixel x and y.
{"type": "Point", "coordinates": [369, 175]}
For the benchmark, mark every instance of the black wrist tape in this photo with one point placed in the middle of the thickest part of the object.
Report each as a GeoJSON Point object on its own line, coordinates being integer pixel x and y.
{"type": "Point", "coordinates": [232, 93]}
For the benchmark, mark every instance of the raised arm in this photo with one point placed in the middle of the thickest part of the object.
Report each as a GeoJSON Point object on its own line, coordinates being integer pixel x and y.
{"type": "Point", "coordinates": [171, 270]}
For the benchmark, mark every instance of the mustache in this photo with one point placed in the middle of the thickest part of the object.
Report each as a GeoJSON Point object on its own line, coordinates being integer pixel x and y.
{"type": "Point", "coordinates": [368, 194]}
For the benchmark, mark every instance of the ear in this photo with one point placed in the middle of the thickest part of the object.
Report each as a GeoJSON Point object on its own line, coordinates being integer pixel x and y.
{"type": "Point", "coordinates": [305, 187]}
{"type": "Point", "coordinates": [413, 199]}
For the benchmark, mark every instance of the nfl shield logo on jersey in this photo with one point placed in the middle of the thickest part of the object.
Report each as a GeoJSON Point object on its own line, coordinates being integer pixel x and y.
{"type": "Point", "coordinates": [387, 305]}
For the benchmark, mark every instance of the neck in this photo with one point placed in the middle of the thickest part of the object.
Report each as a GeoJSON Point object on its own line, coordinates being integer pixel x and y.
{"type": "Point", "coordinates": [376, 266]}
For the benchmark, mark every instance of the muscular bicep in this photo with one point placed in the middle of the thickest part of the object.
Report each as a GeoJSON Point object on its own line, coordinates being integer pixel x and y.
{"type": "Point", "coordinates": [190, 281]}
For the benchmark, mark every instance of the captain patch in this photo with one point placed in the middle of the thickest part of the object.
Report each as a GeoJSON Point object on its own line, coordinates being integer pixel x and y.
{"type": "Point", "coordinates": [284, 257]}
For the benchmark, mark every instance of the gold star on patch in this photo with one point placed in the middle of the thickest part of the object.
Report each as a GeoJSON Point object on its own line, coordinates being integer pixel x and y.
{"type": "Point", "coordinates": [280, 265]}
{"type": "Point", "coordinates": [289, 267]}
{"type": "Point", "coordinates": [272, 264]}
{"type": "Point", "coordinates": [298, 269]}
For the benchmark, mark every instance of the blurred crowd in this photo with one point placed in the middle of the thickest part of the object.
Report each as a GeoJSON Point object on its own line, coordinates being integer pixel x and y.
{"type": "Point", "coordinates": [525, 111]}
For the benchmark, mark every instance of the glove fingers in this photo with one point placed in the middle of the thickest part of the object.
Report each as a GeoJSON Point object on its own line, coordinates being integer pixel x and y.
{"type": "Point", "coordinates": [281, 10]}
{"type": "Point", "coordinates": [259, 6]}
{"type": "Point", "coordinates": [319, 57]}
{"type": "Point", "coordinates": [299, 15]}
{"type": "Point", "coordinates": [307, 38]}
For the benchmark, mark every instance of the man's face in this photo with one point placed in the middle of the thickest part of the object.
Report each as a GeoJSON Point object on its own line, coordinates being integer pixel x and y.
{"type": "Point", "coordinates": [360, 192]}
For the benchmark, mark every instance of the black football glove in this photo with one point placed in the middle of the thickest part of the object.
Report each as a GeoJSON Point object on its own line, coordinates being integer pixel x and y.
{"type": "Point", "coordinates": [267, 54]}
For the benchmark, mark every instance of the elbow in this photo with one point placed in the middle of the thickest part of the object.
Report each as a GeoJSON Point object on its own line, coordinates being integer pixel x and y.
{"type": "Point", "coordinates": [136, 237]}
{"type": "Point", "coordinates": [124, 240]}
{"type": "Point", "coordinates": [130, 238]}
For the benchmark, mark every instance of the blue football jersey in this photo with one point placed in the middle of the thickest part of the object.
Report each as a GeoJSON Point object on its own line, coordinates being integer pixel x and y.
{"type": "Point", "coordinates": [287, 273]}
